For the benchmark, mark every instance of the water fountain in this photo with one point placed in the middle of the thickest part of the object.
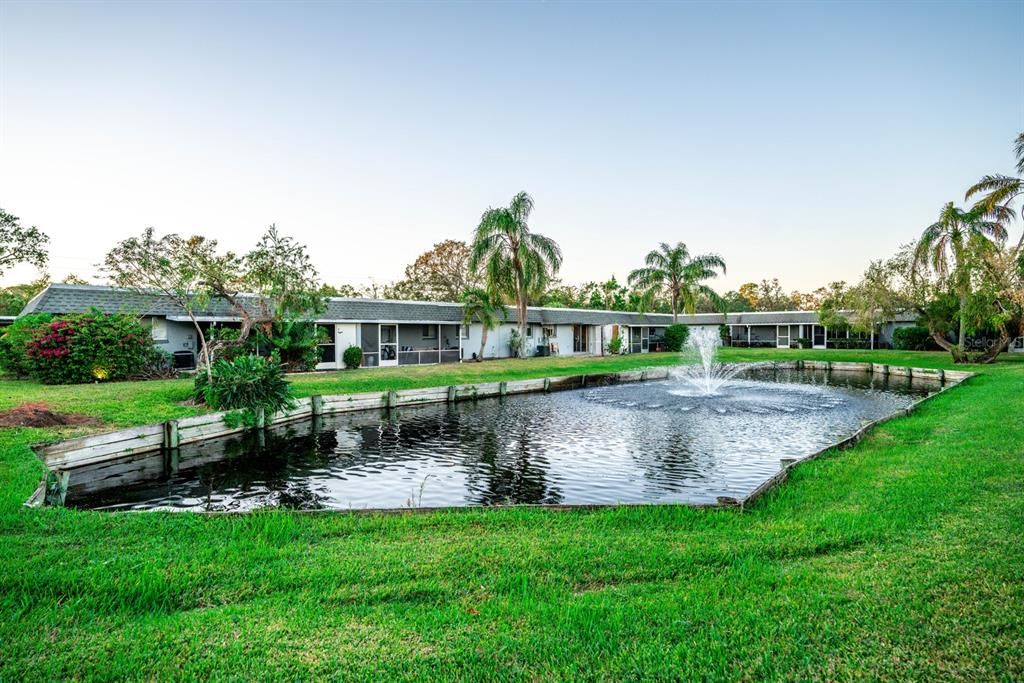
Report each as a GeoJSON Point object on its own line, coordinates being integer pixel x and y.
{"type": "Point", "coordinates": [706, 375]}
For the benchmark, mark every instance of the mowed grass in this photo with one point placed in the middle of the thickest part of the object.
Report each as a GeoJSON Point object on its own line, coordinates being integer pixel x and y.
{"type": "Point", "coordinates": [900, 558]}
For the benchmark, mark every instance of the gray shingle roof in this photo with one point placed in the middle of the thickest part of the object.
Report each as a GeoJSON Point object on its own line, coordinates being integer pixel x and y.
{"type": "Point", "coordinates": [63, 298]}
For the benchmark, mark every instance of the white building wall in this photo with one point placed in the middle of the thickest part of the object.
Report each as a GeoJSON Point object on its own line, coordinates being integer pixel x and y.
{"type": "Point", "coordinates": [563, 337]}
{"type": "Point", "coordinates": [497, 341]}
{"type": "Point", "coordinates": [345, 335]}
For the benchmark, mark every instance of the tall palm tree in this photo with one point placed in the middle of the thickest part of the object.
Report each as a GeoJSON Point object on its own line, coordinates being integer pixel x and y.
{"type": "Point", "coordinates": [516, 263]}
{"type": "Point", "coordinates": [673, 273]}
{"type": "Point", "coordinates": [477, 305]}
{"type": "Point", "coordinates": [1001, 190]}
{"type": "Point", "coordinates": [945, 246]}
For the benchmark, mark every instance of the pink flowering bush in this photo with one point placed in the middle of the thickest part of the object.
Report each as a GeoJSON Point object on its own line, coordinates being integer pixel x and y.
{"type": "Point", "coordinates": [89, 347]}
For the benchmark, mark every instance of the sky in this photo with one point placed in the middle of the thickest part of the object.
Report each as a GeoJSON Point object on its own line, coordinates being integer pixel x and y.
{"type": "Point", "coordinates": [798, 140]}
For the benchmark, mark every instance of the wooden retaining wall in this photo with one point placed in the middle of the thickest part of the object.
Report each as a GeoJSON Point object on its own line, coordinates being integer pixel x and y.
{"type": "Point", "coordinates": [62, 457]}
{"type": "Point", "coordinates": [90, 450]}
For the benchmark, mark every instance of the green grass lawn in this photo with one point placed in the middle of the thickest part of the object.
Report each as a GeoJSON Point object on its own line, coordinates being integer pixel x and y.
{"type": "Point", "coordinates": [900, 558]}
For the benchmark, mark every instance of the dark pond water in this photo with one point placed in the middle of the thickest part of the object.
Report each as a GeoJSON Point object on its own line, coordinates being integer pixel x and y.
{"type": "Point", "coordinates": [656, 442]}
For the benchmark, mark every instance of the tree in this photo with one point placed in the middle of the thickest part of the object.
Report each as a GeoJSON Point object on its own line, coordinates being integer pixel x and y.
{"type": "Point", "coordinates": [275, 281]}
{"type": "Point", "coordinates": [771, 297]}
{"type": "Point", "coordinates": [874, 299]}
{"type": "Point", "coordinates": [441, 274]}
{"type": "Point", "coordinates": [950, 247]}
{"type": "Point", "coordinates": [830, 312]}
{"type": "Point", "coordinates": [613, 295]}
{"type": "Point", "coordinates": [19, 244]}
{"type": "Point", "coordinates": [731, 302]}
{"type": "Point", "coordinates": [175, 267]}
{"type": "Point", "coordinates": [1000, 191]}
{"type": "Point", "coordinates": [281, 273]}
{"type": "Point", "coordinates": [515, 262]}
{"type": "Point", "coordinates": [560, 295]}
{"type": "Point", "coordinates": [812, 301]}
{"type": "Point", "coordinates": [477, 305]}
{"type": "Point", "coordinates": [748, 291]}
{"type": "Point", "coordinates": [343, 290]}
{"type": "Point", "coordinates": [675, 275]}
{"type": "Point", "coordinates": [997, 304]}
{"type": "Point", "coordinates": [14, 298]}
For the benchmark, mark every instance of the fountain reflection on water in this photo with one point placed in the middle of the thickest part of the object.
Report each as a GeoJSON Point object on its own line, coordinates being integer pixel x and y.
{"type": "Point", "coordinates": [703, 373]}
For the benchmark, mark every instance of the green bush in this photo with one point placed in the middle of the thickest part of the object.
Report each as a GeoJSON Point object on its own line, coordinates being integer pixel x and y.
{"type": "Point", "coordinates": [676, 336]}
{"type": "Point", "coordinates": [90, 347]}
{"type": "Point", "coordinates": [916, 338]}
{"type": "Point", "coordinates": [14, 341]}
{"type": "Point", "coordinates": [297, 342]}
{"type": "Point", "coordinates": [246, 383]}
{"type": "Point", "coordinates": [615, 345]}
{"type": "Point", "coordinates": [803, 342]}
{"type": "Point", "coordinates": [515, 343]}
{"type": "Point", "coordinates": [353, 357]}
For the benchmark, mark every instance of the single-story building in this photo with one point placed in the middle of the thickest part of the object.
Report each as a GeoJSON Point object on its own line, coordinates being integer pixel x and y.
{"type": "Point", "coordinates": [417, 333]}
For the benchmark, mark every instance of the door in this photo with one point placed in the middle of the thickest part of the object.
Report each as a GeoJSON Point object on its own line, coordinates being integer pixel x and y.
{"type": "Point", "coordinates": [388, 345]}
{"type": "Point", "coordinates": [819, 336]}
{"type": "Point", "coordinates": [634, 340]}
{"type": "Point", "coordinates": [782, 336]}
{"type": "Point", "coordinates": [580, 338]}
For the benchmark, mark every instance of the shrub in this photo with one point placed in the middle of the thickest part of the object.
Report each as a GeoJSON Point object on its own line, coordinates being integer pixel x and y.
{"type": "Point", "coordinates": [90, 347]}
{"type": "Point", "coordinates": [246, 383]}
{"type": "Point", "coordinates": [916, 338]}
{"type": "Point", "coordinates": [14, 342]}
{"type": "Point", "coordinates": [676, 336]}
{"type": "Point", "coordinates": [297, 342]}
{"type": "Point", "coordinates": [515, 343]}
{"type": "Point", "coordinates": [804, 342]}
{"type": "Point", "coordinates": [353, 357]}
{"type": "Point", "coordinates": [615, 345]}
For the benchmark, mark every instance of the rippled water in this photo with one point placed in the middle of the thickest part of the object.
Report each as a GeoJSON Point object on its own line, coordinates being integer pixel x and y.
{"type": "Point", "coordinates": [655, 442]}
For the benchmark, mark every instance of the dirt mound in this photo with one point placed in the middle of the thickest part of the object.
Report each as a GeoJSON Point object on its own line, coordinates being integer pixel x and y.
{"type": "Point", "coordinates": [40, 415]}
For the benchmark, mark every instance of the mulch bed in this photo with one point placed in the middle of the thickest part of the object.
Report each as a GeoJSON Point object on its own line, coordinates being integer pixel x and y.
{"type": "Point", "coordinates": [40, 415]}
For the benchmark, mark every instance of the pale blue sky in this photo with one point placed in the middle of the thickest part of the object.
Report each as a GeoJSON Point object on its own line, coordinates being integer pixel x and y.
{"type": "Point", "coordinates": [799, 140]}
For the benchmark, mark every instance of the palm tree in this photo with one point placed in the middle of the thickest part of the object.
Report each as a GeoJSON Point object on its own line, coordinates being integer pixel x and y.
{"type": "Point", "coordinates": [673, 273]}
{"type": "Point", "coordinates": [478, 305]}
{"type": "Point", "coordinates": [516, 263]}
{"type": "Point", "coordinates": [945, 246]}
{"type": "Point", "coordinates": [1001, 190]}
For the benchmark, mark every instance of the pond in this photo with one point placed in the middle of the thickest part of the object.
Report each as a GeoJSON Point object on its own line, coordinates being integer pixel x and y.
{"type": "Point", "coordinates": [652, 442]}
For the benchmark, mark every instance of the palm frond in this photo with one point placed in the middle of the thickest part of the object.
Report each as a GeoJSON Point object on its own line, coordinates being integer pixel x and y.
{"type": "Point", "coordinates": [1018, 150]}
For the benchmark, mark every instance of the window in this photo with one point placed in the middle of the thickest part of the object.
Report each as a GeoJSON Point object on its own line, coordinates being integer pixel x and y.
{"type": "Point", "coordinates": [465, 331]}
{"type": "Point", "coordinates": [158, 329]}
{"type": "Point", "coordinates": [551, 332]}
{"type": "Point", "coordinates": [529, 330]}
{"type": "Point", "coordinates": [326, 346]}
{"type": "Point", "coordinates": [429, 331]}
